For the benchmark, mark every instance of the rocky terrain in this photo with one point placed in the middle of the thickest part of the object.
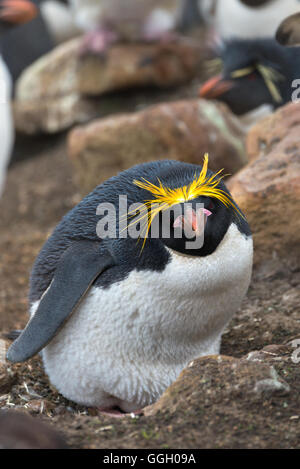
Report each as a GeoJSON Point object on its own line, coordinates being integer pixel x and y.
{"type": "Point", "coordinates": [248, 397]}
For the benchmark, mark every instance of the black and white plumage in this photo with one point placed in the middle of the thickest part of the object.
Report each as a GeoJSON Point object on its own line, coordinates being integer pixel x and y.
{"type": "Point", "coordinates": [59, 19]}
{"type": "Point", "coordinates": [26, 43]}
{"type": "Point", "coordinates": [247, 18]}
{"type": "Point", "coordinates": [254, 73]}
{"type": "Point", "coordinates": [23, 45]}
{"type": "Point", "coordinates": [120, 322]}
{"type": "Point", "coordinates": [11, 14]}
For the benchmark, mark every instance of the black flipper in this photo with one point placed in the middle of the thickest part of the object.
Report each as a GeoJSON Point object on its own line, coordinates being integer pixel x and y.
{"type": "Point", "coordinates": [78, 267]}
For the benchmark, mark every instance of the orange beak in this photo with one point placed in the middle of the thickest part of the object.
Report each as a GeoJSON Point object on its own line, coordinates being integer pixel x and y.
{"type": "Point", "coordinates": [215, 87]}
{"type": "Point", "coordinates": [17, 11]}
{"type": "Point", "coordinates": [193, 221]}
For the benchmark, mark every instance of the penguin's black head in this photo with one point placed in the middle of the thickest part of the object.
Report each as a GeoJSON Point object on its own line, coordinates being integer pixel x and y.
{"type": "Point", "coordinates": [15, 12]}
{"type": "Point", "coordinates": [197, 227]}
{"type": "Point", "coordinates": [186, 207]}
{"type": "Point", "coordinates": [254, 72]}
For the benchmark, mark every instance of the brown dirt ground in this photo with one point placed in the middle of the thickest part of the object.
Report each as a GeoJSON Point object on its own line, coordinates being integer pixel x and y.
{"type": "Point", "coordinates": [39, 192]}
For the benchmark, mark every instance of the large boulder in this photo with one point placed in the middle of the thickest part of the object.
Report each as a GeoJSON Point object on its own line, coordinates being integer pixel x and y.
{"type": "Point", "coordinates": [268, 189]}
{"type": "Point", "coordinates": [219, 379]}
{"type": "Point", "coordinates": [182, 130]}
{"type": "Point", "coordinates": [226, 402]}
{"type": "Point", "coordinates": [53, 93]}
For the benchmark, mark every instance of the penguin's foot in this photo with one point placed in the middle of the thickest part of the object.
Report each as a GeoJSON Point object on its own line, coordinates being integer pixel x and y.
{"type": "Point", "coordinates": [117, 413]}
{"type": "Point", "coordinates": [98, 42]}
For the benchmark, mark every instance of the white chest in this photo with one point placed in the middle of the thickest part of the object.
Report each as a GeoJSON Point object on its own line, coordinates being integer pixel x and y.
{"type": "Point", "coordinates": [134, 338]}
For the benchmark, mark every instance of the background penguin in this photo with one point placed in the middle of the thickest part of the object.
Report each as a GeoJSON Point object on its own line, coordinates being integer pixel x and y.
{"type": "Point", "coordinates": [255, 72]}
{"type": "Point", "coordinates": [59, 19]}
{"type": "Point", "coordinates": [118, 319]}
{"type": "Point", "coordinates": [247, 18]}
{"type": "Point", "coordinates": [12, 13]}
{"type": "Point", "coordinates": [23, 45]}
{"type": "Point", "coordinates": [108, 21]}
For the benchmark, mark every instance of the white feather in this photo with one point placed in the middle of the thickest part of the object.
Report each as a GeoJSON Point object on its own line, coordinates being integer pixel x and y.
{"type": "Point", "coordinates": [59, 19]}
{"type": "Point", "coordinates": [6, 122]}
{"type": "Point", "coordinates": [126, 344]}
{"type": "Point", "coordinates": [232, 18]}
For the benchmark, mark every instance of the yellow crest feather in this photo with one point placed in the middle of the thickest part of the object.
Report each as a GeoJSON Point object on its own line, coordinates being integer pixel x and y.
{"type": "Point", "coordinates": [165, 197]}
